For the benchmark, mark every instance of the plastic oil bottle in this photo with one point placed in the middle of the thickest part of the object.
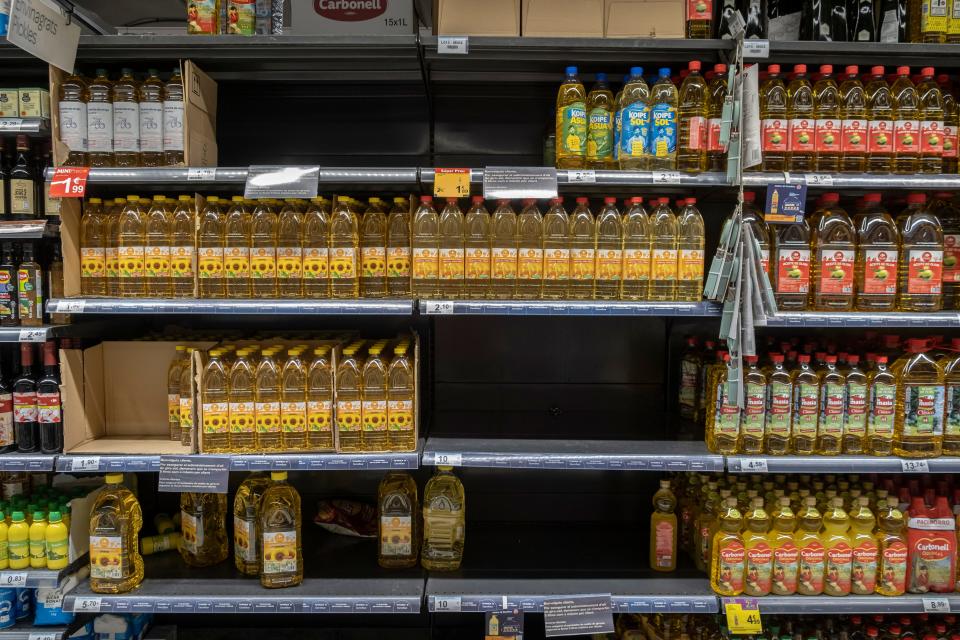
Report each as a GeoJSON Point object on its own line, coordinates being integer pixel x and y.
{"type": "Point", "coordinates": [373, 251]}
{"type": "Point", "coordinates": [775, 124]}
{"type": "Point", "coordinates": [724, 423]}
{"type": "Point", "coordinates": [374, 403]}
{"type": "Point", "coordinates": [779, 410]}
{"type": "Point", "coordinates": [833, 395]}
{"type": "Point", "coordinates": [951, 120]}
{"type": "Point", "coordinates": [115, 521]}
{"type": "Point", "coordinates": [126, 121]}
{"type": "Point", "coordinates": [349, 400]}
{"type": "Point", "coordinates": [529, 252]}
{"type": "Point", "coordinates": [236, 251]}
{"type": "Point", "coordinates": [187, 409]}
{"type": "Point", "coordinates": [556, 251]}
{"type": "Point", "coordinates": [131, 239]}
{"type": "Point", "coordinates": [583, 249]}
{"type": "Point", "coordinates": [93, 254]}
{"type": "Point", "coordinates": [920, 286]}
{"type": "Point", "coordinates": [826, 110]}
{"type": "Point", "coordinates": [210, 241]}
{"type": "Point", "coordinates": [906, 115]}
{"type": "Point", "coordinates": [203, 518]}
{"type": "Point", "coordinates": [246, 506]}
{"type": "Point", "coordinates": [263, 251]}
{"type": "Point", "coordinates": [690, 252]}
{"type": "Point", "coordinates": [444, 521]}
{"type": "Point", "coordinates": [344, 239]}
{"type": "Point", "coordinates": [279, 530]}
{"type": "Point", "coordinates": [401, 435]}
{"type": "Point", "coordinates": [174, 373]}
{"type": "Point", "coordinates": [663, 529]}
{"type": "Point", "coordinates": [663, 118]}
{"type": "Point", "coordinates": [853, 112]}
{"type": "Point", "coordinates": [783, 574]}
{"type": "Point", "coordinates": [700, 21]}
{"type": "Point", "coordinates": [425, 240]}
{"type": "Point", "coordinates": [267, 402]}
{"type": "Point", "coordinates": [806, 406]}
{"type": "Point", "coordinates": [72, 109]}
{"type": "Point", "coordinates": [609, 252]}
{"type": "Point", "coordinates": [214, 398]}
{"type": "Point", "coordinates": [880, 110]}
{"type": "Point", "coordinates": [950, 364]}
{"type": "Point", "coordinates": [892, 574]}
{"type": "Point", "coordinates": [882, 388]}
{"type": "Point", "coordinates": [664, 234]}
{"type": "Point", "coordinates": [834, 246]}
{"type": "Point", "coordinates": [571, 127]}
{"type": "Point", "coordinates": [693, 109]}
{"type": "Point", "coordinates": [159, 230]}
{"type": "Point", "coordinates": [758, 554]}
{"type": "Point", "coordinates": [918, 427]}
{"type": "Point", "coordinates": [397, 510]}
{"type": "Point", "coordinates": [600, 115]}
{"type": "Point", "coordinates": [398, 248]}
{"type": "Point", "coordinates": [320, 401]}
{"type": "Point", "coordinates": [476, 246]}
{"type": "Point", "coordinates": [878, 243]}
{"type": "Point", "coordinates": [791, 272]}
{"type": "Point", "coordinates": [636, 252]}
{"type": "Point", "coordinates": [931, 123]}
{"type": "Point", "coordinates": [316, 249]}
{"type": "Point", "coordinates": [183, 248]}
{"type": "Point", "coordinates": [504, 242]}
{"type": "Point", "coordinates": [290, 250]}
{"type": "Point", "coordinates": [729, 557]}
{"type": "Point", "coordinates": [100, 121]}
{"type": "Point", "coordinates": [838, 552]}
{"type": "Point", "coordinates": [716, 96]}
{"type": "Point", "coordinates": [753, 217]}
{"type": "Point", "coordinates": [451, 262]}
{"type": "Point", "coordinates": [633, 140]}
{"type": "Point", "coordinates": [293, 401]}
{"type": "Point", "coordinates": [855, 417]}
{"type": "Point", "coordinates": [863, 575]}
{"type": "Point", "coordinates": [754, 411]}
{"type": "Point", "coordinates": [801, 154]}
{"type": "Point", "coordinates": [111, 225]}
{"type": "Point", "coordinates": [812, 554]}
{"type": "Point", "coordinates": [242, 407]}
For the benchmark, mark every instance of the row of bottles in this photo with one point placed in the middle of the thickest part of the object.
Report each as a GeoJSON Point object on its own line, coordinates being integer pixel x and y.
{"type": "Point", "coordinates": [905, 124]}
{"type": "Point", "coordinates": [669, 124]}
{"type": "Point", "coordinates": [23, 190]}
{"type": "Point", "coordinates": [122, 123]}
{"type": "Point", "coordinates": [825, 21]}
{"type": "Point", "coordinates": [662, 626]}
{"type": "Point", "coordinates": [859, 627]}
{"type": "Point", "coordinates": [34, 529]}
{"type": "Point", "coordinates": [25, 283]}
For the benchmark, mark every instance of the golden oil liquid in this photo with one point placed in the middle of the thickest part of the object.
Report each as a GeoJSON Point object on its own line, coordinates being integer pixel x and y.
{"type": "Point", "coordinates": [397, 509]}
{"type": "Point", "coordinates": [444, 522]}
{"type": "Point", "coordinates": [320, 402]}
{"type": "Point", "coordinates": [115, 523]}
{"type": "Point", "coordinates": [293, 402]}
{"type": "Point", "coordinates": [246, 505]}
{"type": "Point", "coordinates": [279, 527]}
{"type": "Point", "coordinates": [203, 521]}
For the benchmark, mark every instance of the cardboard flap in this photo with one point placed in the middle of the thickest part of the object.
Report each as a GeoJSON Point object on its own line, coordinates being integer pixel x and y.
{"type": "Point", "coordinates": [644, 18]}
{"type": "Point", "coordinates": [70, 244]}
{"type": "Point", "coordinates": [92, 408]}
{"type": "Point", "coordinates": [559, 18]}
{"type": "Point", "coordinates": [60, 150]}
{"type": "Point", "coordinates": [200, 89]}
{"type": "Point", "coordinates": [468, 17]}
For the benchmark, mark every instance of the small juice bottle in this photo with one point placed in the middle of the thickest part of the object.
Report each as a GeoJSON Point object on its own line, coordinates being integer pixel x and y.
{"type": "Point", "coordinates": [881, 128]}
{"type": "Point", "coordinates": [203, 520]}
{"type": "Point", "coordinates": [779, 408]}
{"type": "Point", "coordinates": [775, 124]}
{"type": "Point", "coordinates": [115, 521]}
{"type": "Point", "coordinates": [279, 530]}
{"type": "Point", "coordinates": [583, 247]}
{"type": "Point", "coordinates": [530, 252]}
{"type": "Point", "coordinates": [806, 406]}
{"type": "Point", "coordinates": [401, 434]}
{"type": "Point", "coordinates": [556, 251]}
{"type": "Point", "coordinates": [918, 429]}
{"type": "Point", "coordinates": [57, 542]}
{"type": "Point", "coordinates": [18, 536]}
{"type": "Point", "coordinates": [882, 385]}
{"type": "Point", "coordinates": [839, 553]}
{"type": "Point", "coordinates": [801, 154]}
{"type": "Point", "coordinates": [863, 575]}
{"type": "Point", "coordinates": [729, 556]}
{"type": "Point", "coordinates": [758, 552]}
{"type": "Point", "coordinates": [826, 109]}
{"type": "Point", "coordinates": [293, 402]}
{"type": "Point", "coordinates": [854, 127]}
{"type": "Point", "coordinates": [878, 244]}
{"type": "Point", "coordinates": [892, 572]}
{"type": "Point", "coordinates": [571, 129]}
{"type": "Point", "coordinates": [425, 239]}
{"type": "Point", "coordinates": [810, 569]}
{"type": "Point", "coordinates": [320, 401]}
{"type": "Point", "coordinates": [374, 402]}
{"type": "Point", "coordinates": [783, 580]}
{"type": "Point", "coordinates": [753, 425]}
{"type": "Point", "coordinates": [663, 529]}
{"type": "Point", "coordinates": [855, 417]}
{"type": "Point", "coordinates": [834, 245]}
{"type": "Point", "coordinates": [833, 402]}
{"type": "Point", "coordinates": [246, 505]}
{"type": "Point", "coordinates": [920, 286]}
{"type": "Point", "coordinates": [398, 517]}
{"type": "Point", "coordinates": [38, 540]}
{"type": "Point", "coordinates": [444, 522]}
{"type": "Point", "coordinates": [451, 262]}
{"type": "Point", "coordinates": [476, 241]}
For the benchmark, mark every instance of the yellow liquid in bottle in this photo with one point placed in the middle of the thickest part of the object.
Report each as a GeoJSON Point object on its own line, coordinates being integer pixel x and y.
{"type": "Point", "coordinates": [853, 111]}
{"type": "Point", "coordinates": [451, 261]}
{"type": "Point", "coordinates": [444, 515]}
{"type": "Point", "coordinates": [246, 505]}
{"type": "Point", "coordinates": [290, 251]}
{"type": "Point", "coordinates": [754, 411]}
{"type": "Point", "coordinates": [398, 249]}
{"type": "Point", "coordinates": [210, 250]}
{"type": "Point", "coordinates": [203, 520]}
{"type": "Point", "coordinates": [609, 260]}
{"type": "Point", "coordinates": [214, 398]}
{"type": "Point", "coordinates": [931, 124]}
{"type": "Point", "coordinates": [877, 258]}
{"type": "Point", "coordinates": [243, 426]}
{"type": "Point", "coordinates": [425, 239]}
{"type": "Point", "coordinates": [174, 374]}
{"type": "Point", "coordinates": [812, 554]}
{"type": "Point", "coordinates": [664, 233]}
{"type": "Point", "coordinates": [833, 393]}
{"type": "Point", "coordinates": [293, 402]}
{"type": "Point", "coordinates": [826, 110]}
{"type": "Point", "coordinates": [774, 121]}
{"type": "Point", "coordinates": [757, 550]}
{"type": "Point", "coordinates": [373, 251]}
{"type": "Point", "coordinates": [401, 433]}
{"type": "Point", "coordinates": [920, 285]}
{"type": "Point", "coordinates": [158, 240]}
{"type": "Point", "coordinates": [834, 253]}
{"type": "Point", "coordinates": [806, 403]}
{"type": "Point", "coordinates": [702, 535]}
{"type": "Point", "coordinates": [529, 252]}
{"type": "Point", "coordinates": [374, 403]}
{"type": "Point", "coordinates": [690, 253]}
{"type": "Point", "coordinates": [316, 249]}
{"type": "Point", "coordinates": [477, 251]}
{"type": "Point", "coordinates": [906, 126]}
{"type": "Point", "coordinates": [855, 418]}
{"type": "Point", "coordinates": [93, 249]}
{"type": "Point", "coordinates": [918, 428]}
{"type": "Point", "coordinates": [801, 155]}
{"type": "Point", "coordinates": [783, 581]}
{"type": "Point", "coordinates": [881, 127]}
{"type": "Point", "coordinates": [504, 242]}
{"type": "Point", "coordinates": [320, 402]}
{"type": "Point", "coordinates": [349, 401]}
{"type": "Point", "coordinates": [279, 528]}
{"type": "Point", "coordinates": [397, 509]}
{"type": "Point", "coordinates": [115, 521]}
{"type": "Point", "coordinates": [725, 421]}
{"type": "Point", "coordinates": [183, 249]}
{"type": "Point", "coordinates": [778, 425]}
{"type": "Point", "coordinates": [692, 113]}
{"type": "Point", "coordinates": [131, 238]}
{"type": "Point", "coordinates": [187, 409]}
{"type": "Point", "coordinates": [863, 575]}
{"type": "Point", "coordinates": [236, 252]}
{"type": "Point", "coordinates": [571, 128]}
{"type": "Point", "coordinates": [269, 435]}
{"type": "Point", "coordinates": [583, 247]}
{"type": "Point", "coordinates": [839, 553]}
{"type": "Point", "coordinates": [600, 115]}
{"type": "Point", "coordinates": [636, 252]}
{"type": "Point", "coordinates": [263, 251]}
{"type": "Point", "coordinates": [882, 385]}
{"type": "Point", "coordinates": [892, 573]}
{"type": "Point", "coordinates": [663, 529]}
{"type": "Point", "coordinates": [729, 557]}
{"type": "Point", "coordinates": [950, 364]}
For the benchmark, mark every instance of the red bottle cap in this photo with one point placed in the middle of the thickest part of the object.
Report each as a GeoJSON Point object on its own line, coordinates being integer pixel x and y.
{"type": "Point", "coordinates": [803, 358]}
{"type": "Point", "coordinates": [916, 198]}
{"type": "Point", "coordinates": [876, 71]}
{"type": "Point", "coordinates": [831, 197]}
{"type": "Point", "coordinates": [477, 199]}
{"type": "Point", "coordinates": [799, 68]}
{"type": "Point", "coordinates": [426, 199]}
{"type": "Point", "coordinates": [872, 197]}
{"type": "Point", "coordinates": [749, 196]}
{"type": "Point", "coordinates": [826, 69]}
{"type": "Point", "coordinates": [610, 200]}
{"type": "Point", "coordinates": [529, 201]}
{"type": "Point", "coordinates": [681, 203]}
{"type": "Point", "coordinates": [852, 70]}
{"type": "Point", "coordinates": [927, 72]}
{"type": "Point", "coordinates": [451, 201]}
{"type": "Point", "coordinates": [831, 359]}
{"type": "Point", "coordinates": [776, 358]}
{"type": "Point", "coordinates": [854, 359]}
{"type": "Point", "coordinates": [581, 200]}
{"type": "Point", "coordinates": [691, 201]}
{"type": "Point", "coordinates": [720, 68]}
{"type": "Point", "coordinates": [636, 200]}
{"type": "Point", "coordinates": [694, 65]}
{"type": "Point", "coordinates": [903, 71]}
{"type": "Point", "coordinates": [773, 68]}
{"type": "Point", "coordinates": [750, 359]}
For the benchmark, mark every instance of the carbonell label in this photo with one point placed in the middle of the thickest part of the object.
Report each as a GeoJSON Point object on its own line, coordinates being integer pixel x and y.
{"type": "Point", "coordinates": [730, 571]}
{"type": "Point", "coordinates": [759, 568]}
{"type": "Point", "coordinates": [810, 571]}
{"type": "Point", "coordinates": [784, 575]}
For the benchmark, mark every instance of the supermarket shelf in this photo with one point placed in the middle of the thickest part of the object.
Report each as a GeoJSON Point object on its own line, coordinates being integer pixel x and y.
{"type": "Point", "coordinates": [41, 578]}
{"type": "Point", "coordinates": [907, 603]}
{"type": "Point", "coordinates": [866, 181]}
{"type": "Point", "coordinates": [224, 176]}
{"type": "Point", "coordinates": [35, 334]}
{"type": "Point", "coordinates": [619, 455]}
{"type": "Point", "coordinates": [29, 632]}
{"type": "Point", "coordinates": [581, 180]}
{"type": "Point", "coordinates": [567, 308]}
{"type": "Point", "coordinates": [39, 127]}
{"type": "Point", "coordinates": [230, 307]}
{"type": "Point", "coordinates": [840, 53]}
{"type": "Point", "coordinates": [27, 462]}
{"type": "Point", "coordinates": [840, 464]}
{"type": "Point", "coordinates": [863, 319]}
{"type": "Point", "coordinates": [26, 229]}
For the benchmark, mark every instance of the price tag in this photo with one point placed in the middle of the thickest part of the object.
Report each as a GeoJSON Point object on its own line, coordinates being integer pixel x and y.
{"type": "Point", "coordinates": [438, 307]}
{"type": "Point", "coordinates": [87, 605]}
{"type": "Point", "coordinates": [32, 335]}
{"type": "Point", "coordinates": [756, 48]}
{"type": "Point", "coordinates": [818, 179]}
{"type": "Point", "coordinates": [936, 605]}
{"type": "Point", "coordinates": [756, 465]}
{"type": "Point", "coordinates": [453, 44]}
{"type": "Point", "coordinates": [743, 617]}
{"type": "Point", "coordinates": [45, 635]}
{"type": "Point", "coordinates": [10, 124]}
{"type": "Point", "coordinates": [915, 466]}
{"type": "Point", "coordinates": [451, 183]}
{"type": "Point", "coordinates": [85, 463]}
{"type": "Point", "coordinates": [577, 175]}
{"type": "Point", "coordinates": [448, 459]}
{"type": "Point", "coordinates": [71, 306]}
{"type": "Point", "coordinates": [666, 177]}
{"type": "Point", "coordinates": [446, 604]}
{"type": "Point", "coordinates": [201, 174]}
{"type": "Point", "coordinates": [69, 182]}
{"type": "Point", "coordinates": [13, 579]}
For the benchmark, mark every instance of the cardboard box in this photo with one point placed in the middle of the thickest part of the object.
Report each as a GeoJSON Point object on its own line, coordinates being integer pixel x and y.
{"type": "Point", "coordinates": [563, 18]}
{"type": "Point", "coordinates": [199, 113]}
{"type": "Point", "coordinates": [644, 18]}
{"type": "Point", "coordinates": [9, 103]}
{"type": "Point", "coordinates": [34, 103]}
{"type": "Point", "coordinates": [349, 17]}
{"type": "Point", "coordinates": [472, 18]}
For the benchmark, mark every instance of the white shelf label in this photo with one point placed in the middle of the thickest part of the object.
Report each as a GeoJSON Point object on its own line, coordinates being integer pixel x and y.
{"type": "Point", "coordinates": [44, 635]}
{"type": "Point", "coordinates": [756, 465]}
{"type": "Point", "coordinates": [13, 579]}
{"type": "Point", "coordinates": [756, 48]}
{"type": "Point", "coordinates": [446, 604]}
{"type": "Point", "coordinates": [936, 605]}
{"type": "Point", "coordinates": [10, 124]}
{"type": "Point", "coordinates": [71, 306]}
{"type": "Point", "coordinates": [818, 179]}
{"type": "Point", "coordinates": [915, 466]}
{"type": "Point", "coordinates": [439, 307]}
{"type": "Point", "coordinates": [85, 463]}
{"type": "Point", "coordinates": [459, 45]}
{"type": "Point", "coordinates": [32, 335]}
{"type": "Point", "coordinates": [448, 459]}
{"type": "Point", "coordinates": [577, 175]}
{"type": "Point", "coordinates": [87, 605]}
{"type": "Point", "coordinates": [666, 177]}
{"type": "Point", "coordinates": [195, 174]}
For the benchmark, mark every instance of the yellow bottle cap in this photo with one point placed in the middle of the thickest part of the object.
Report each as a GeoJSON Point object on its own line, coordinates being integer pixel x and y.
{"type": "Point", "coordinates": [213, 199]}
{"type": "Point", "coordinates": [321, 351]}
{"type": "Point", "coordinates": [113, 478]}
{"type": "Point", "coordinates": [237, 198]}
{"type": "Point", "coordinates": [277, 476]}
{"type": "Point", "coordinates": [180, 347]}
{"type": "Point", "coordinates": [159, 198]}
{"type": "Point", "coordinates": [184, 198]}
{"type": "Point", "coordinates": [95, 201]}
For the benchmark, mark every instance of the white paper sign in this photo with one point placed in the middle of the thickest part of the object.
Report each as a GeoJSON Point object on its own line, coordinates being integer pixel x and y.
{"type": "Point", "coordinates": [914, 466]}
{"type": "Point", "coordinates": [42, 31]}
{"type": "Point", "coordinates": [13, 579]}
{"type": "Point", "coordinates": [86, 463]}
{"type": "Point", "coordinates": [756, 48]}
{"type": "Point", "coordinates": [32, 335]}
{"type": "Point", "coordinates": [87, 605]}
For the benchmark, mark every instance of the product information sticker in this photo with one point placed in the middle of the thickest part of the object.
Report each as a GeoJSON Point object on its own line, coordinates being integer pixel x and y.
{"type": "Point", "coordinates": [577, 615]}
{"type": "Point", "coordinates": [785, 203]}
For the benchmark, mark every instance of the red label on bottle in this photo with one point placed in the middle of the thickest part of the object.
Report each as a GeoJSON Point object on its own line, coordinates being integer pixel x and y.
{"type": "Point", "coordinates": [802, 135]}
{"type": "Point", "coordinates": [758, 569]}
{"type": "Point", "coordinates": [784, 575]}
{"type": "Point", "coordinates": [931, 137]}
{"type": "Point", "coordinates": [836, 271]}
{"type": "Point", "coordinates": [793, 271]}
{"type": "Point", "coordinates": [893, 571]}
{"type": "Point", "coordinates": [881, 137]}
{"type": "Point", "coordinates": [697, 139]}
{"type": "Point", "coordinates": [906, 136]}
{"type": "Point", "coordinates": [863, 576]}
{"type": "Point", "coordinates": [925, 271]}
{"type": "Point", "coordinates": [951, 258]}
{"type": "Point", "coordinates": [880, 271]}
{"type": "Point", "coordinates": [730, 572]}
{"type": "Point", "coordinates": [854, 135]}
{"type": "Point", "coordinates": [48, 408]}
{"type": "Point", "coordinates": [829, 136]}
{"type": "Point", "coordinates": [25, 407]}
{"type": "Point", "coordinates": [713, 134]}
{"type": "Point", "coordinates": [699, 9]}
{"type": "Point", "coordinates": [949, 141]}
{"type": "Point", "coordinates": [775, 134]}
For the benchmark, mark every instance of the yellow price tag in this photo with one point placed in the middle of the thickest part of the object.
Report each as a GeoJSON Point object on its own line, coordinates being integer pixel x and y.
{"type": "Point", "coordinates": [451, 183]}
{"type": "Point", "coordinates": [743, 619]}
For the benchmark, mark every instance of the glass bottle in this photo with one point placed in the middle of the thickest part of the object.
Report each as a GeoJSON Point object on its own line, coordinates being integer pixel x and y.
{"type": "Point", "coordinates": [49, 412]}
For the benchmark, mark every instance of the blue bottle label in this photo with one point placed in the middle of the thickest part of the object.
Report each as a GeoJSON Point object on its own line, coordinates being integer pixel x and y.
{"type": "Point", "coordinates": [635, 130]}
{"type": "Point", "coordinates": [663, 141]}
{"type": "Point", "coordinates": [617, 130]}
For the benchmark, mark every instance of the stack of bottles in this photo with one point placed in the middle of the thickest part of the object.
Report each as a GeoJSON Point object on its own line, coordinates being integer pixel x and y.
{"type": "Point", "coordinates": [235, 17]}
{"type": "Point", "coordinates": [643, 127]}
{"type": "Point", "coordinates": [31, 414]}
{"type": "Point", "coordinates": [25, 283]}
{"type": "Point", "coordinates": [122, 123]}
{"type": "Point", "coordinates": [879, 398]}
{"type": "Point", "coordinates": [901, 124]}
{"type": "Point", "coordinates": [349, 395]}
{"type": "Point", "coordinates": [35, 526]}
{"type": "Point", "coordinates": [634, 626]}
{"type": "Point", "coordinates": [25, 194]}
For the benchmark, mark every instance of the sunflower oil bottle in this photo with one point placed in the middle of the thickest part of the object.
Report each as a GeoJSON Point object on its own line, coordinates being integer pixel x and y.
{"type": "Point", "coordinates": [729, 556]}
{"type": "Point", "coordinates": [664, 235]}
{"type": "Point", "coordinates": [214, 398]}
{"type": "Point", "coordinates": [504, 241]}
{"type": "Point", "coordinates": [775, 124]}
{"type": "Point", "coordinates": [855, 416]}
{"type": "Point", "coordinates": [246, 506]}
{"type": "Point", "coordinates": [374, 403]}
{"type": "Point", "coordinates": [716, 95]}
{"type": "Point", "coordinates": [187, 409]}
{"type": "Point", "coordinates": [600, 115]}
{"type": "Point", "coordinates": [783, 573]}
{"type": "Point", "coordinates": [401, 435]}
{"type": "Point", "coordinates": [779, 408]}
{"type": "Point", "coordinates": [663, 118]}
{"type": "Point", "coordinates": [236, 250]}
{"type": "Point", "coordinates": [279, 530]}
{"type": "Point", "coordinates": [758, 555]}
{"type": "Point", "coordinates": [918, 427]}
{"type": "Point", "coordinates": [263, 251]}
{"type": "Point", "coordinates": [344, 241]}
{"type": "Point", "coordinates": [609, 253]}
{"type": "Point", "coordinates": [839, 553]}
{"type": "Point", "coordinates": [754, 410]}
{"type": "Point", "coordinates": [921, 257]}
{"type": "Point", "coordinates": [690, 253]}
{"type": "Point", "coordinates": [444, 521]}
{"type": "Point", "coordinates": [892, 557]}
{"type": "Point", "coordinates": [811, 551]}
{"type": "Point", "coordinates": [931, 123]}
{"type": "Point", "coordinates": [582, 252]}
{"type": "Point", "coordinates": [878, 243]}
{"type": "Point", "coordinates": [111, 262]}
{"type": "Point", "coordinates": [267, 402]}
{"type": "Point", "coordinates": [182, 248]}
{"type": "Point", "coordinates": [880, 110]}
{"type": "Point", "coordinates": [476, 241]}
{"type": "Point", "coordinates": [906, 113]}
{"type": "Point", "coordinates": [863, 574]}
{"type": "Point", "coordinates": [854, 125]}
{"type": "Point", "coordinates": [293, 401]}
{"type": "Point", "coordinates": [425, 241]}
{"type": "Point", "coordinates": [174, 373]}
{"type": "Point", "coordinates": [556, 251]}
{"type": "Point", "coordinates": [316, 249]}
{"type": "Point", "coordinates": [801, 153]}
{"type": "Point", "coordinates": [693, 109]}
{"type": "Point", "coordinates": [115, 521]}
{"type": "Point", "coordinates": [663, 529]}
{"type": "Point", "coordinates": [571, 127]}
{"type": "Point", "coordinates": [131, 240]}
{"type": "Point", "coordinates": [791, 272]}
{"type": "Point", "coordinates": [210, 242]}
{"type": "Point", "coordinates": [398, 248]}
{"type": "Point", "coordinates": [373, 251]}
{"type": "Point", "coordinates": [834, 246]}
{"type": "Point", "coordinates": [349, 398]}
{"type": "Point", "coordinates": [806, 407]}
{"type": "Point", "coordinates": [529, 252]}
{"type": "Point", "coordinates": [397, 509]}
{"type": "Point", "coordinates": [320, 401]}
{"type": "Point", "coordinates": [242, 406]}
{"type": "Point", "coordinates": [451, 261]}
{"type": "Point", "coordinates": [833, 397]}
{"type": "Point", "coordinates": [826, 110]}
{"type": "Point", "coordinates": [93, 275]}
{"type": "Point", "coordinates": [633, 116]}
{"type": "Point", "coordinates": [636, 252]}
{"type": "Point", "coordinates": [290, 250]}
{"type": "Point", "coordinates": [203, 520]}
{"type": "Point", "coordinates": [158, 222]}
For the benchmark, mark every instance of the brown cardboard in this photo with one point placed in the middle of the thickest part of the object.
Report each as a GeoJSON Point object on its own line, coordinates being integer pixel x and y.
{"type": "Point", "coordinates": [472, 18]}
{"type": "Point", "coordinates": [70, 243]}
{"type": "Point", "coordinates": [643, 18]}
{"type": "Point", "coordinates": [563, 18]}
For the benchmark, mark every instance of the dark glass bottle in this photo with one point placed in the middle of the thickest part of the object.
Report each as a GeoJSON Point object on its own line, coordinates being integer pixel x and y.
{"type": "Point", "coordinates": [49, 413]}
{"type": "Point", "coordinates": [9, 307]}
{"type": "Point", "coordinates": [4, 184]}
{"type": "Point", "coordinates": [862, 21]}
{"type": "Point", "coordinates": [824, 20]}
{"type": "Point", "coordinates": [23, 187]}
{"type": "Point", "coordinates": [728, 12]}
{"type": "Point", "coordinates": [755, 13]}
{"type": "Point", "coordinates": [8, 440]}
{"type": "Point", "coordinates": [30, 288]}
{"type": "Point", "coordinates": [25, 420]}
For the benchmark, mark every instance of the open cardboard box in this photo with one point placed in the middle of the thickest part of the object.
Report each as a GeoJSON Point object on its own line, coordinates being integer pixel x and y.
{"type": "Point", "coordinates": [470, 18]}
{"type": "Point", "coordinates": [563, 18]}
{"type": "Point", "coordinates": [644, 18]}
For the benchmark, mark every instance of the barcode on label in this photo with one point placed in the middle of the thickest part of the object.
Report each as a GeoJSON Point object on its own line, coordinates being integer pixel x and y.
{"type": "Point", "coordinates": [448, 459]}
{"type": "Point", "coordinates": [446, 604]}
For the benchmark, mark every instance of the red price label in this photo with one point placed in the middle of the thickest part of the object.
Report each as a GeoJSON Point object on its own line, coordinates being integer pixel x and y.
{"type": "Point", "coordinates": [69, 182]}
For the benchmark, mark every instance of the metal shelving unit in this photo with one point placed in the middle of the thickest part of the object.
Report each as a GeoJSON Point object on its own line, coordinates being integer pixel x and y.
{"type": "Point", "coordinates": [907, 603]}
{"type": "Point", "coordinates": [26, 229]}
{"type": "Point", "coordinates": [863, 319]}
{"type": "Point", "coordinates": [29, 632]}
{"type": "Point", "coordinates": [567, 308]}
{"type": "Point", "coordinates": [855, 181]}
{"type": "Point", "coordinates": [33, 127]}
{"type": "Point", "coordinates": [236, 176]}
{"type": "Point", "coordinates": [589, 178]}
{"type": "Point", "coordinates": [297, 307]}
{"type": "Point", "coordinates": [27, 462]}
{"type": "Point", "coordinates": [840, 464]}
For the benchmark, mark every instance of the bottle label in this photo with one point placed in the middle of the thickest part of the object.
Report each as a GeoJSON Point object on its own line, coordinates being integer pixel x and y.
{"type": "Point", "coordinates": [690, 265]}
{"type": "Point", "coordinates": [931, 137]}
{"type": "Point", "coordinates": [952, 418]}
{"type": "Point", "coordinates": [106, 556]}
{"type": "Point", "coordinates": [348, 415]}
{"type": "Point", "coordinates": [783, 580]}
{"type": "Point", "coordinates": [400, 415]}
{"type": "Point", "coordinates": [99, 127]}
{"type": "Point", "coordinates": [181, 262]}
{"type": "Point", "coordinates": [664, 544]}
{"type": "Point", "coordinates": [186, 413]}
{"type": "Point", "coordinates": [38, 550]}
{"type": "Point", "coordinates": [882, 403]}
{"type": "Point", "coordinates": [215, 417]}
{"type": "Point", "coordinates": [396, 536]}
{"type": "Point", "coordinates": [29, 294]}
{"type": "Point", "coordinates": [48, 408]}
{"type": "Point", "coordinates": [600, 135]}
{"type": "Point", "coordinates": [130, 262]}
{"type": "Point", "coordinates": [893, 568]}
{"type": "Point", "coordinates": [290, 263]}
{"type": "Point", "coordinates": [765, 260]}
{"type": "Point", "coordinates": [280, 552]}
{"type": "Point", "coordinates": [810, 569]}
{"type": "Point", "coordinates": [853, 135]}
{"type": "Point", "coordinates": [880, 271]}
{"type": "Point", "coordinates": [924, 271]}
{"type": "Point", "coordinates": [689, 374]}
{"type": "Point", "coordinates": [664, 265]}
{"type": "Point", "coordinates": [759, 569]}
{"type": "Point", "coordinates": [151, 127]}
{"type": "Point", "coordinates": [316, 263]}
{"type": "Point", "coordinates": [293, 417]}
{"type": "Point", "coordinates": [699, 9]}
{"type": "Point", "coordinates": [126, 127]}
{"type": "Point", "coordinates": [855, 422]}
{"type": "Point", "coordinates": [923, 410]}
{"type": "Point", "coordinates": [556, 264]}
{"type": "Point", "coordinates": [93, 262]}
{"type": "Point", "coordinates": [398, 262]}
{"type": "Point", "coordinates": [881, 137]}
{"type": "Point", "coordinates": [726, 419]}
{"type": "Point", "coordinates": [949, 130]}
{"type": "Point", "coordinates": [22, 197]}
{"type": "Point", "coordinates": [802, 135]}
{"type": "Point", "coordinates": [609, 264]}
{"type": "Point", "coordinates": [530, 264]}
{"type": "Point", "coordinates": [157, 261]}
{"type": "Point", "coordinates": [780, 400]}
{"type": "Point", "coordinates": [573, 129]}
{"type": "Point", "coordinates": [636, 264]}
{"type": "Point", "coordinates": [477, 263]}
{"type": "Point", "coordinates": [951, 257]}
{"type": "Point", "coordinates": [775, 135]}
{"type": "Point", "coordinates": [268, 417]}
{"type": "Point", "coordinates": [933, 16]}
{"type": "Point", "coordinates": [374, 415]}
{"type": "Point", "coordinates": [731, 557]}
{"type": "Point", "coordinates": [755, 398]}
{"type": "Point", "coordinates": [793, 271]}
{"type": "Point", "coordinates": [57, 550]}
{"type": "Point", "coordinates": [829, 136]}
{"type": "Point", "coordinates": [192, 532]}
{"type": "Point", "coordinates": [832, 404]}
{"type": "Point", "coordinates": [73, 125]}
{"type": "Point", "coordinates": [697, 136]}
{"type": "Point", "coordinates": [343, 263]}
{"type": "Point", "coordinates": [806, 409]}
{"type": "Point", "coordinates": [839, 565]}
{"type": "Point", "coordinates": [582, 265]}
{"type": "Point", "coordinates": [504, 263]}
{"type": "Point", "coordinates": [863, 575]}
{"type": "Point", "coordinates": [714, 127]}
{"type": "Point", "coordinates": [25, 406]}
{"type": "Point", "coordinates": [836, 271]}
{"type": "Point", "coordinates": [236, 263]}
{"type": "Point", "coordinates": [319, 413]}
{"type": "Point", "coordinates": [953, 27]}
{"type": "Point", "coordinates": [635, 130]}
{"type": "Point", "coordinates": [210, 262]}
{"type": "Point", "coordinates": [663, 134]}
{"type": "Point", "coordinates": [7, 437]}
{"type": "Point", "coordinates": [906, 139]}
{"type": "Point", "coordinates": [245, 539]}
{"type": "Point", "coordinates": [173, 125]}
{"type": "Point", "coordinates": [373, 262]}
{"type": "Point", "coordinates": [263, 263]}
{"type": "Point", "coordinates": [426, 263]}
{"type": "Point", "coordinates": [242, 417]}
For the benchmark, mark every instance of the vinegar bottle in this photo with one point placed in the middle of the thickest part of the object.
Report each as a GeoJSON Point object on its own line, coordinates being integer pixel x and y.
{"type": "Point", "coordinates": [398, 517]}
{"type": "Point", "coordinates": [779, 408]}
{"type": "Point", "coordinates": [556, 251]}
{"type": "Point", "coordinates": [636, 252]}
{"type": "Point", "coordinates": [806, 406]}
{"type": "Point", "coordinates": [444, 522]}
{"type": "Point", "coordinates": [918, 428]}
{"type": "Point", "coordinates": [826, 108]}
{"type": "Point", "coordinates": [880, 110]}
{"type": "Point", "coordinates": [921, 257]}
{"type": "Point", "coordinates": [263, 251]}
{"type": "Point", "coordinates": [504, 240]}
{"type": "Point", "coordinates": [571, 128]}
{"type": "Point", "coordinates": [791, 272]}
{"type": "Point", "coordinates": [754, 412]}
{"type": "Point", "coordinates": [374, 400]}
{"type": "Point", "coordinates": [774, 121]}
{"type": "Point", "coordinates": [835, 245]}
{"type": "Point", "coordinates": [801, 154]}
{"type": "Point", "coordinates": [425, 240]}
{"type": "Point", "coordinates": [664, 234]}
{"type": "Point", "coordinates": [729, 556]}
{"type": "Point", "coordinates": [451, 262]}
{"type": "Point", "coordinates": [931, 123]}
{"type": "Point", "coordinates": [476, 241]}
{"type": "Point", "coordinates": [210, 249]}
{"type": "Point", "coordinates": [878, 243]}
{"type": "Point", "coordinates": [609, 263]}
{"type": "Point", "coordinates": [236, 251]}
{"type": "Point", "coordinates": [663, 529]}
{"type": "Point", "coordinates": [243, 429]}
{"type": "Point", "coordinates": [398, 249]}
{"type": "Point", "coordinates": [690, 253]}
{"type": "Point", "coordinates": [582, 252]}
{"type": "Point", "coordinates": [833, 397]}
{"type": "Point", "coordinates": [906, 126]}
{"type": "Point", "coordinates": [530, 252]}
{"type": "Point", "coordinates": [373, 251]}
{"type": "Point", "coordinates": [293, 402]}
{"type": "Point", "coordinates": [783, 578]}
{"type": "Point", "coordinates": [600, 114]}
{"type": "Point", "coordinates": [863, 574]}
{"type": "Point", "coordinates": [839, 554]}
{"type": "Point", "coordinates": [279, 528]}
{"type": "Point", "coordinates": [290, 251]}
{"type": "Point", "coordinates": [812, 555]}
{"type": "Point", "coordinates": [320, 401]}
{"type": "Point", "coordinates": [246, 505]}
{"type": "Point", "coordinates": [855, 418]}
{"type": "Point", "coordinates": [882, 385]}
{"type": "Point", "coordinates": [892, 568]}
{"type": "Point", "coordinates": [694, 107]}
{"type": "Point", "coordinates": [758, 571]}
{"type": "Point", "coordinates": [854, 127]}
{"type": "Point", "coordinates": [316, 249]}
{"type": "Point", "coordinates": [115, 521]}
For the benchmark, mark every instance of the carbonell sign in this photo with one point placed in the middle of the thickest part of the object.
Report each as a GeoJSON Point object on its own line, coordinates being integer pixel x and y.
{"type": "Point", "coordinates": [350, 10]}
{"type": "Point", "coordinates": [351, 17]}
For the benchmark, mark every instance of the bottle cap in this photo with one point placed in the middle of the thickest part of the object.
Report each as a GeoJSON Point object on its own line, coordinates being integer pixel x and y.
{"type": "Point", "coordinates": [773, 68]}
{"type": "Point", "coordinates": [426, 199]}
{"type": "Point", "coordinates": [38, 515]}
{"type": "Point", "coordinates": [691, 201]}
{"type": "Point", "coordinates": [749, 196]}
{"type": "Point", "coordinates": [803, 358]}
{"type": "Point", "coordinates": [681, 203]}
{"type": "Point", "coordinates": [903, 71]}
{"type": "Point", "coordinates": [876, 71]}
{"type": "Point", "coordinates": [872, 197]}
{"type": "Point", "coordinates": [694, 65]}
{"type": "Point", "coordinates": [571, 71]}
{"type": "Point", "coordinates": [664, 72]}
{"type": "Point", "coordinates": [719, 68]}
{"type": "Point", "coordinates": [853, 359]}
{"type": "Point", "coordinates": [927, 72]}
{"type": "Point", "coordinates": [852, 70]}
{"type": "Point", "coordinates": [601, 77]}
{"type": "Point", "coordinates": [477, 199]}
{"type": "Point", "coordinates": [799, 68]}
{"type": "Point", "coordinates": [277, 476]}
{"type": "Point", "coordinates": [663, 200]}
{"type": "Point", "coordinates": [776, 357]}
{"type": "Point", "coordinates": [826, 69]}
{"type": "Point", "coordinates": [17, 516]}
{"type": "Point", "coordinates": [750, 359]}
{"type": "Point", "coordinates": [451, 201]}
{"type": "Point", "coordinates": [916, 198]}
{"type": "Point", "coordinates": [831, 197]}
{"type": "Point", "coordinates": [636, 200]}
{"type": "Point", "coordinates": [831, 359]}
{"type": "Point", "coordinates": [581, 200]}
{"type": "Point", "coordinates": [114, 478]}
{"type": "Point", "coordinates": [610, 200]}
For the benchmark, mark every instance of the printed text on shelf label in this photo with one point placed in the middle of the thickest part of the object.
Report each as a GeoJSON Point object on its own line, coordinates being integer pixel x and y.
{"type": "Point", "coordinates": [44, 635]}
{"type": "Point", "coordinates": [446, 604]}
{"type": "Point", "coordinates": [757, 465]}
{"type": "Point", "coordinates": [87, 605]}
{"type": "Point", "coordinates": [915, 466]}
{"type": "Point", "coordinates": [818, 180]}
{"type": "Point", "coordinates": [666, 177]}
{"type": "Point", "coordinates": [453, 44]}
{"type": "Point", "coordinates": [86, 463]}
{"type": "Point", "coordinates": [936, 605]}
{"type": "Point", "coordinates": [581, 176]}
{"type": "Point", "coordinates": [448, 459]}
{"type": "Point", "coordinates": [13, 579]}
{"type": "Point", "coordinates": [32, 335]}
{"type": "Point", "coordinates": [439, 307]}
